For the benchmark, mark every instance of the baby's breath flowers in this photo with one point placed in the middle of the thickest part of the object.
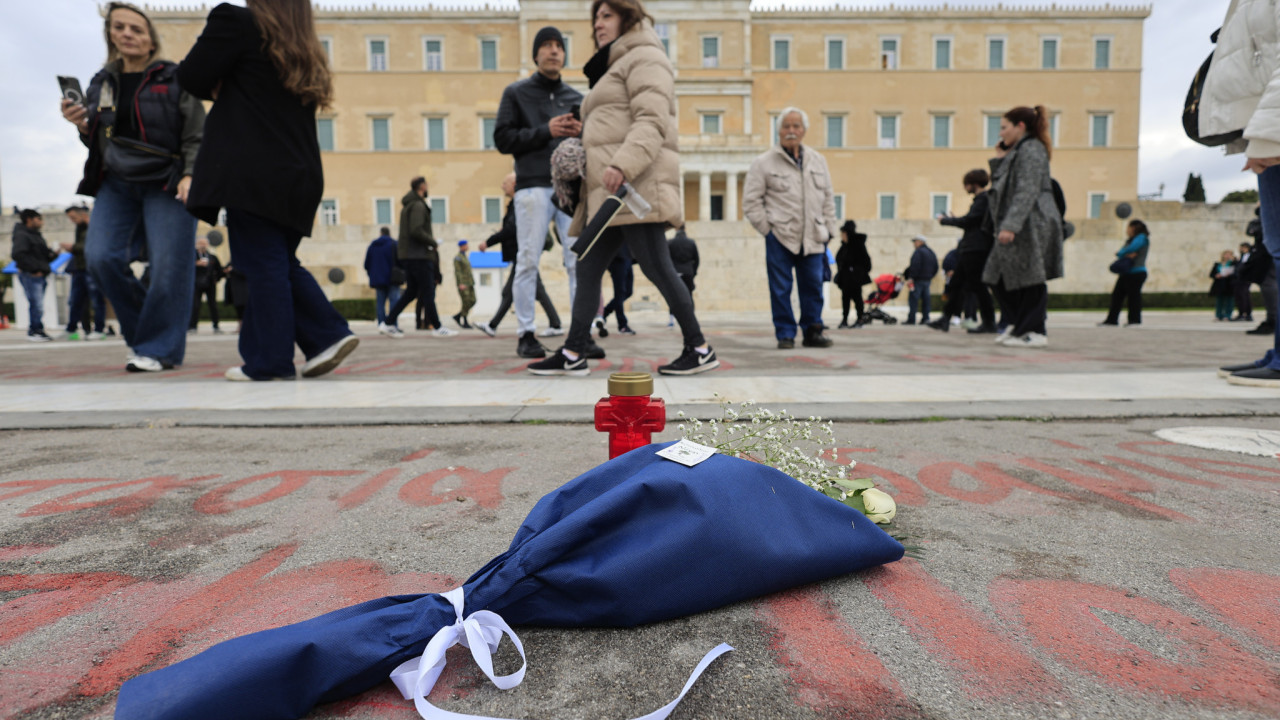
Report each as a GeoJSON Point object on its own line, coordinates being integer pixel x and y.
{"type": "Point", "coordinates": [792, 445]}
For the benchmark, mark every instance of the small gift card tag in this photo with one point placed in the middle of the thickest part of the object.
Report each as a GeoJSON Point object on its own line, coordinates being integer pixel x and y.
{"type": "Point", "coordinates": [687, 453]}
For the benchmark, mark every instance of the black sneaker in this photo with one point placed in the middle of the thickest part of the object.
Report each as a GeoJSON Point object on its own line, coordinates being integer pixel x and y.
{"type": "Point", "coordinates": [786, 344]}
{"type": "Point", "coordinates": [942, 323]}
{"type": "Point", "coordinates": [559, 364]}
{"type": "Point", "coordinates": [593, 351]}
{"type": "Point", "coordinates": [813, 337]}
{"type": "Point", "coordinates": [529, 347]}
{"type": "Point", "coordinates": [983, 330]}
{"type": "Point", "coordinates": [1256, 377]}
{"type": "Point", "coordinates": [1228, 369]}
{"type": "Point", "coordinates": [600, 328]}
{"type": "Point", "coordinates": [691, 362]}
{"type": "Point", "coordinates": [1265, 328]}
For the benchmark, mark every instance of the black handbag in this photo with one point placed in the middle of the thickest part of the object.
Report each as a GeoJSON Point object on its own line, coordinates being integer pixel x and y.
{"type": "Point", "coordinates": [1122, 265]}
{"type": "Point", "coordinates": [1191, 108]}
{"type": "Point", "coordinates": [138, 162]}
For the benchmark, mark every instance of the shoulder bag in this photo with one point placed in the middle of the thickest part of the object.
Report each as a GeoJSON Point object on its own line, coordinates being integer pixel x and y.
{"type": "Point", "coordinates": [1191, 108]}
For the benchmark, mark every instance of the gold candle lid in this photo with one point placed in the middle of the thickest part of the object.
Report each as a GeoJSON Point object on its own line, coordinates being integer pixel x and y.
{"type": "Point", "coordinates": [631, 384]}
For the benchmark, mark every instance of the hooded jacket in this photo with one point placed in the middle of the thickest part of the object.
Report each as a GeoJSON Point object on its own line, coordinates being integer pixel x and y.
{"type": "Point", "coordinates": [521, 126]}
{"type": "Point", "coordinates": [416, 240]}
{"type": "Point", "coordinates": [629, 122]}
{"type": "Point", "coordinates": [30, 252]}
{"type": "Point", "coordinates": [793, 201]}
{"type": "Point", "coordinates": [1242, 89]}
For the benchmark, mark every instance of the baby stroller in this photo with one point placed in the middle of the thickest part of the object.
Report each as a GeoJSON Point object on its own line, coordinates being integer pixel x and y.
{"type": "Point", "coordinates": [887, 287]}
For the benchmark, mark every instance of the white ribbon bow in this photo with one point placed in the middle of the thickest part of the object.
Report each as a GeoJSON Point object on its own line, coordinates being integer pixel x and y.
{"type": "Point", "coordinates": [482, 631]}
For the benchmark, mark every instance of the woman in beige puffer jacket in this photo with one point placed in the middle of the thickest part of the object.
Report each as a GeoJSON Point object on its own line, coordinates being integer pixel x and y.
{"type": "Point", "coordinates": [629, 133]}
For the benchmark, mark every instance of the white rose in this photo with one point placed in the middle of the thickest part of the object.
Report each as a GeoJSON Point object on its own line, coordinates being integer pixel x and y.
{"type": "Point", "coordinates": [880, 505]}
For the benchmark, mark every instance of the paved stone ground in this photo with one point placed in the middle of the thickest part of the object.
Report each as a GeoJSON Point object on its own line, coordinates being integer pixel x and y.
{"type": "Point", "coordinates": [1073, 568]}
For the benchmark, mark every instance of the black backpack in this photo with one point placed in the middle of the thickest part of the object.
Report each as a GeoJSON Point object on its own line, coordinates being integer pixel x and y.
{"type": "Point", "coordinates": [1191, 108]}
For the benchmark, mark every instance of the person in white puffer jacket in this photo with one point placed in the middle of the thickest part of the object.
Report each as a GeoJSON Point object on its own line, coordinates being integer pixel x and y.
{"type": "Point", "coordinates": [1242, 92]}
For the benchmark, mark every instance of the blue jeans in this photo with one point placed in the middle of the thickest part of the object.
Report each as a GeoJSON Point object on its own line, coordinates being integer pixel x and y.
{"type": "Point", "coordinates": [534, 212]}
{"type": "Point", "coordinates": [33, 287]}
{"type": "Point", "coordinates": [285, 306]}
{"type": "Point", "coordinates": [387, 296]}
{"type": "Point", "coordinates": [780, 263]}
{"type": "Point", "coordinates": [918, 298]}
{"type": "Point", "coordinates": [1269, 199]}
{"type": "Point", "coordinates": [85, 292]}
{"type": "Point", "coordinates": [153, 319]}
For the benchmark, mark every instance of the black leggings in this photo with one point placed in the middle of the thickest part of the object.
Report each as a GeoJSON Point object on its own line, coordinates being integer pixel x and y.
{"type": "Point", "coordinates": [1128, 287]}
{"type": "Point", "coordinates": [968, 279]}
{"type": "Point", "coordinates": [648, 245]}
{"type": "Point", "coordinates": [854, 295]}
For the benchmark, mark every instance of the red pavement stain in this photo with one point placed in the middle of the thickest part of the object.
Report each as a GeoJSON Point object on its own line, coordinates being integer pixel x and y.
{"type": "Point", "coordinates": [417, 455]}
{"type": "Point", "coordinates": [820, 362]}
{"type": "Point", "coordinates": [1062, 617]}
{"type": "Point", "coordinates": [1271, 474]}
{"type": "Point", "coordinates": [20, 552]}
{"type": "Point", "coordinates": [1247, 601]}
{"type": "Point", "coordinates": [218, 502]}
{"type": "Point", "coordinates": [1117, 488]}
{"type": "Point", "coordinates": [25, 487]}
{"type": "Point", "coordinates": [51, 598]}
{"type": "Point", "coordinates": [480, 366]}
{"type": "Point", "coordinates": [1158, 472]}
{"type": "Point", "coordinates": [955, 633]}
{"type": "Point", "coordinates": [1068, 445]}
{"type": "Point", "coordinates": [995, 484]}
{"type": "Point", "coordinates": [907, 491]}
{"type": "Point", "coordinates": [121, 506]}
{"type": "Point", "coordinates": [484, 487]}
{"type": "Point", "coordinates": [831, 668]}
{"type": "Point", "coordinates": [369, 487]}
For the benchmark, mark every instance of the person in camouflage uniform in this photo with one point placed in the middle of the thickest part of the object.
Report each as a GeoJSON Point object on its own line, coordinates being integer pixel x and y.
{"type": "Point", "coordinates": [466, 284]}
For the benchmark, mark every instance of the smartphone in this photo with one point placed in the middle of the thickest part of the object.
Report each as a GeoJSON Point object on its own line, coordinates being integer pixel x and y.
{"type": "Point", "coordinates": [575, 111]}
{"type": "Point", "coordinates": [71, 89]}
{"type": "Point", "coordinates": [1002, 146]}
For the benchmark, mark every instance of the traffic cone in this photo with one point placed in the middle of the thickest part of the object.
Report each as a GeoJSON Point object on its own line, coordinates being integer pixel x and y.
{"type": "Point", "coordinates": [4, 322]}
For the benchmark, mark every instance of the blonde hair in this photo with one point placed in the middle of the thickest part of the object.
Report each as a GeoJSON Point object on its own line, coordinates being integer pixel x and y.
{"type": "Point", "coordinates": [113, 53]}
{"type": "Point", "coordinates": [289, 39]}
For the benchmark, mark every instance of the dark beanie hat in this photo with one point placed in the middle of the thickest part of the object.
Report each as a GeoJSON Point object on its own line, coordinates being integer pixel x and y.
{"type": "Point", "coordinates": [546, 34]}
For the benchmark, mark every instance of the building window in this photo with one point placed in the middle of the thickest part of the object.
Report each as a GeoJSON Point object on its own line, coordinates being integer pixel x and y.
{"type": "Point", "coordinates": [1100, 130]}
{"type": "Point", "coordinates": [888, 53]}
{"type": "Point", "coordinates": [774, 119]}
{"type": "Point", "coordinates": [781, 53]}
{"type": "Point", "coordinates": [995, 53]}
{"type": "Point", "coordinates": [486, 132]}
{"type": "Point", "coordinates": [439, 210]}
{"type": "Point", "coordinates": [942, 53]}
{"type": "Point", "coordinates": [377, 54]}
{"type": "Point", "coordinates": [1102, 53]}
{"type": "Point", "coordinates": [710, 51]}
{"type": "Point", "coordinates": [711, 124]}
{"type": "Point", "coordinates": [835, 131]}
{"type": "Point", "coordinates": [1049, 53]}
{"type": "Point", "coordinates": [1054, 119]}
{"type": "Point", "coordinates": [324, 133]}
{"type": "Point", "coordinates": [327, 43]}
{"type": "Point", "coordinates": [888, 206]}
{"type": "Point", "coordinates": [664, 34]}
{"type": "Point", "coordinates": [433, 54]}
{"type": "Point", "coordinates": [435, 133]}
{"type": "Point", "coordinates": [888, 131]}
{"type": "Point", "coordinates": [939, 204]}
{"type": "Point", "coordinates": [382, 211]}
{"type": "Point", "coordinates": [839, 200]}
{"type": "Point", "coordinates": [493, 210]}
{"type": "Point", "coordinates": [1095, 204]}
{"type": "Point", "coordinates": [380, 129]}
{"type": "Point", "coordinates": [488, 53]}
{"type": "Point", "coordinates": [717, 207]}
{"type": "Point", "coordinates": [835, 53]}
{"type": "Point", "coordinates": [993, 130]}
{"type": "Point", "coordinates": [942, 131]}
{"type": "Point", "coordinates": [329, 211]}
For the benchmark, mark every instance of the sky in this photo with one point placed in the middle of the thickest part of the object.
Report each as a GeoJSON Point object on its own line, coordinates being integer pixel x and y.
{"type": "Point", "coordinates": [41, 158]}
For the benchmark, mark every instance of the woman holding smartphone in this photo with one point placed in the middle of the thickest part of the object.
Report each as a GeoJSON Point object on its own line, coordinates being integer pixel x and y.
{"type": "Point", "coordinates": [143, 132]}
{"type": "Point", "coordinates": [266, 71]}
{"type": "Point", "coordinates": [1028, 248]}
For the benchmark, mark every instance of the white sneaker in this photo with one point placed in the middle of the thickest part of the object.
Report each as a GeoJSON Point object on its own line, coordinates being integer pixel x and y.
{"type": "Point", "coordinates": [95, 336]}
{"type": "Point", "coordinates": [444, 332]}
{"type": "Point", "coordinates": [236, 374]}
{"type": "Point", "coordinates": [551, 332]}
{"type": "Point", "coordinates": [330, 358]}
{"type": "Point", "coordinates": [969, 324]}
{"type": "Point", "coordinates": [1030, 340]}
{"type": "Point", "coordinates": [38, 337]}
{"type": "Point", "coordinates": [487, 329]}
{"type": "Point", "coordinates": [395, 333]}
{"type": "Point", "coordinates": [1004, 335]}
{"type": "Point", "coordinates": [383, 329]}
{"type": "Point", "coordinates": [142, 363]}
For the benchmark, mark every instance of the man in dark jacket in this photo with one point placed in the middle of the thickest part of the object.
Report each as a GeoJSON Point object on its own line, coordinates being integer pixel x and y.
{"type": "Point", "coordinates": [380, 265]}
{"type": "Point", "coordinates": [84, 290]}
{"type": "Point", "coordinates": [32, 255]}
{"type": "Point", "coordinates": [416, 251]}
{"type": "Point", "coordinates": [506, 237]}
{"type": "Point", "coordinates": [973, 249]}
{"type": "Point", "coordinates": [923, 267]}
{"type": "Point", "coordinates": [534, 116]}
{"type": "Point", "coordinates": [684, 255]}
{"type": "Point", "coordinates": [208, 275]}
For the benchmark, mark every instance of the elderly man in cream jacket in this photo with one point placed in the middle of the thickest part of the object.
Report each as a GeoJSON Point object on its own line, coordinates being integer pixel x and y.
{"type": "Point", "coordinates": [788, 199]}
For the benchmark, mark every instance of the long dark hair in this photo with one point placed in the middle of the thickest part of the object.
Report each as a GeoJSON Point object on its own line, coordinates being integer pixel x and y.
{"type": "Point", "coordinates": [113, 53]}
{"type": "Point", "coordinates": [1036, 120]}
{"type": "Point", "coordinates": [1141, 227]}
{"type": "Point", "coordinates": [630, 13]}
{"type": "Point", "coordinates": [289, 39]}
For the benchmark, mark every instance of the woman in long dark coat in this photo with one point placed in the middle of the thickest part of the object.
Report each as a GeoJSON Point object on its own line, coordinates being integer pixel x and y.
{"type": "Point", "coordinates": [853, 270]}
{"type": "Point", "coordinates": [267, 72]}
